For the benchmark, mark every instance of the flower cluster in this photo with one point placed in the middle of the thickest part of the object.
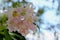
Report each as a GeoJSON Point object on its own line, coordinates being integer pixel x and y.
{"type": "Point", "coordinates": [21, 19]}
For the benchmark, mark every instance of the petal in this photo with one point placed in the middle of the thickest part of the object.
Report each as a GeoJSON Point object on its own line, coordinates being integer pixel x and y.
{"type": "Point", "coordinates": [30, 26]}
{"type": "Point", "coordinates": [10, 29]}
{"type": "Point", "coordinates": [23, 30]}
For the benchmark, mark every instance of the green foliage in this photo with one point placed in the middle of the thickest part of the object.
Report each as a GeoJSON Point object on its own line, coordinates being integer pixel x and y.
{"type": "Point", "coordinates": [7, 36]}
{"type": "Point", "coordinates": [40, 12]}
{"type": "Point", "coordinates": [8, 0]}
{"type": "Point", "coordinates": [1, 37]}
{"type": "Point", "coordinates": [18, 36]}
{"type": "Point", "coordinates": [2, 28]}
{"type": "Point", "coordinates": [3, 19]}
{"type": "Point", "coordinates": [16, 4]}
{"type": "Point", "coordinates": [24, 1]}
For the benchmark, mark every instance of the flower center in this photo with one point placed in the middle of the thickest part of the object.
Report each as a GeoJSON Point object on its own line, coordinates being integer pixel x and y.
{"type": "Point", "coordinates": [23, 13]}
{"type": "Point", "coordinates": [15, 14]}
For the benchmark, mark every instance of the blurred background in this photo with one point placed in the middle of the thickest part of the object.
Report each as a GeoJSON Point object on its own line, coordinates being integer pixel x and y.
{"type": "Point", "coordinates": [48, 24]}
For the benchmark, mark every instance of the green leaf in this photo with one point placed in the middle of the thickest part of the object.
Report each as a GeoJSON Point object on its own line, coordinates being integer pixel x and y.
{"type": "Point", "coordinates": [40, 12]}
{"type": "Point", "coordinates": [4, 18]}
{"type": "Point", "coordinates": [1, 37]}
{"type": "Point", "coordinates": [7, 36]}
{"type": "Point", "coordinates": [2, 28]}
{"type": "Point", "coordinates": [17, 36]}
{"type": "Point", "coordinates": [24, 1]}
{"type": "Point", "coordinates": [16, 4]}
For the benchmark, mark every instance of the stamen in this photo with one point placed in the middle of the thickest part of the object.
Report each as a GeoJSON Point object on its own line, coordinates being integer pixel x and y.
{"type": "Point", "coordinates": [15, 14]}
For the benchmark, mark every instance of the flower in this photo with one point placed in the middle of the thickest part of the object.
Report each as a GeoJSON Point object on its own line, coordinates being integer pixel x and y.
{"type": "Point", "coordinates": [21, 19]}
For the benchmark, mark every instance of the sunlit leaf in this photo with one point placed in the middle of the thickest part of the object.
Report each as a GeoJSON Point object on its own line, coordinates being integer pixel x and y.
{"type": "Point", "coordinates": [2, 28]}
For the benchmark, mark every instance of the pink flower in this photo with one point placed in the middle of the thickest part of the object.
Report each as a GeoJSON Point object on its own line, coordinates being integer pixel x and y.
{"type": "Point", "coordinates": [21, 19]}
